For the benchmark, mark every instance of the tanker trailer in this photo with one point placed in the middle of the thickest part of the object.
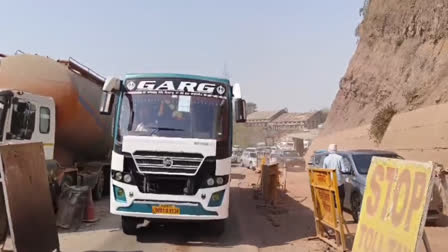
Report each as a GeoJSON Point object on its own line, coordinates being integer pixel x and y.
{"type": "Point", "coordinates": [55, 102]}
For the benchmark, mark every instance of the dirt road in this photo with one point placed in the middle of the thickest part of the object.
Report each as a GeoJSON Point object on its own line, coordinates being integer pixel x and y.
{"type": "Point", "coordinates": [251, 227]}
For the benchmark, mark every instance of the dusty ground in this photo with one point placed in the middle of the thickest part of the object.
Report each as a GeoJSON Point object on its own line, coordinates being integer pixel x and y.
{"type": "Point", "coordinates": [251, 226]}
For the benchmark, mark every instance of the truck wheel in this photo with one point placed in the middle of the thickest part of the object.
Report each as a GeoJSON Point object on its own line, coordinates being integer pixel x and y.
{"type": "Point", "coordinates": [129, 225]}
{"type": "Point", "coordinates": [97, 192]}
{"type": "Point", "coordinates": [356, 202]}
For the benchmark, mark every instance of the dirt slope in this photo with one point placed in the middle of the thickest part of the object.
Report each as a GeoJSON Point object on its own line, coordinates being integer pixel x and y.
{"type": "Point", "coordinates": [402, 58]}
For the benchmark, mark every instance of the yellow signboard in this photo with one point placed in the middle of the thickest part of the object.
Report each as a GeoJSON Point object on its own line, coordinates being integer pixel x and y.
{"type": "Point", "coordinates": [394, 205]}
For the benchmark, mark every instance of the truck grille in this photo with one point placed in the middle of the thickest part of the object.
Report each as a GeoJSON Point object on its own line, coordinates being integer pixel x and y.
{"type": "Point", "coordinates": [168, 162]}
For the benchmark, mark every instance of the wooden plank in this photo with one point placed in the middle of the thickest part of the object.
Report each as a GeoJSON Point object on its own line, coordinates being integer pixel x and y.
{"type": "Point", "coordinates": [27, 196]}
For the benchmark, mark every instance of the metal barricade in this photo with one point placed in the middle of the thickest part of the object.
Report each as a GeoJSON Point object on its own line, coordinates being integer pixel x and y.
{"type": "Point", "coordinates": [327, 207]}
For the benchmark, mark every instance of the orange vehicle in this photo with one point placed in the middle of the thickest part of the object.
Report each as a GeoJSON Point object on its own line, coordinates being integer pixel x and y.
{"type": "Point", "coordinates": [55, 102]}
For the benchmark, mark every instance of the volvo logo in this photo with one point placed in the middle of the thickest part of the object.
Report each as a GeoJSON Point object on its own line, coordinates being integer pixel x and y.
{"type": "Point", "coordinates": [167, 162]}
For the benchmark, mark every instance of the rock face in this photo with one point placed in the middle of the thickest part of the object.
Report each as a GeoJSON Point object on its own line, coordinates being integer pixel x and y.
{"type": "Point", "coordinates": [402, 58]}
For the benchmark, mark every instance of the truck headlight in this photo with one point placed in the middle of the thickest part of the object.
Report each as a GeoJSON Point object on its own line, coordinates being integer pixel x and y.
{"type": "Point", "coordinates": [127, 178]}
{"type": "Point", "coordinates": [210, 181]}
{"type": "Point", "coordinates": [219, 180]}
{"type": "Point", "coordinates": [118, 176]}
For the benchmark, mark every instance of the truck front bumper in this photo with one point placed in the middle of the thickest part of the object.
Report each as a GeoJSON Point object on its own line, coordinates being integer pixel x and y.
{"type": "Point", "coordinates": [206, 204]}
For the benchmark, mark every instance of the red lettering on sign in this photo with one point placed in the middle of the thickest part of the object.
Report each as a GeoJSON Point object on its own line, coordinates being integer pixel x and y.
{"type": "Point", "coordinates": [390, 175]}
{"type": "Point", "coordinates": [404, 181]}
{"type": "Point", "coordinates": [418, 196]}
{"type": "Point", "coordinates": [373, 202]}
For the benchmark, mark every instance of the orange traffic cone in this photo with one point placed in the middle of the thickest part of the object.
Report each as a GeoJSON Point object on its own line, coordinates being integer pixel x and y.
{"type": "Point", "coordinates": [89, 214]}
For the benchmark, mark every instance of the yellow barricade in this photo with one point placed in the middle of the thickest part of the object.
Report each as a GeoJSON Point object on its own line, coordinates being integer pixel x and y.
{"type": "Point", "coordinates": [327, 206]}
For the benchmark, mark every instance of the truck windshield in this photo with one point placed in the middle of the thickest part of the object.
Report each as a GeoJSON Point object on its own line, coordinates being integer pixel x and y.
{"type": "Point", "coordinates": [173, 116]}
{"type": "Point", "coordinates": [362, 161]}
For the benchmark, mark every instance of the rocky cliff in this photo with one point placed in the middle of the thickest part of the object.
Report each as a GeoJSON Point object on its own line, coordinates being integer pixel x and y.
{"type": "Point", "coordinates": [402, 58]}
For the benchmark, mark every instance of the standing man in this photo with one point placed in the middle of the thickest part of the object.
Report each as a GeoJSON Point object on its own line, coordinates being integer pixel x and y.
{"type": "Point", "coordinates": [335, 161]}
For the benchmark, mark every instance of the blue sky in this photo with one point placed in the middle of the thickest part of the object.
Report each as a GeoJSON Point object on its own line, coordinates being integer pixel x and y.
{"type": "Point", "coordinates": [284, 53]}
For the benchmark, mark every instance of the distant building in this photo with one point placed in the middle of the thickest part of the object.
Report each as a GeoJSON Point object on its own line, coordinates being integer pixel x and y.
{"type": "Point", "coordinates": [298, 121]}
{"type": "Point", "coordinates": [251, 108]}
{"type": "Point", "coordinates": [263, 118]}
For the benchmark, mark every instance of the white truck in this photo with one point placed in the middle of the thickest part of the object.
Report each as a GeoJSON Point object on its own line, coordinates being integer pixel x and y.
{"type": "Point", "coordinates": [171, 158]}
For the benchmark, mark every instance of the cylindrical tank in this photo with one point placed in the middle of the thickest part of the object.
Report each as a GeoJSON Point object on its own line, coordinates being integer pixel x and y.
{"type": "Point", "coordinates": [82, 134]}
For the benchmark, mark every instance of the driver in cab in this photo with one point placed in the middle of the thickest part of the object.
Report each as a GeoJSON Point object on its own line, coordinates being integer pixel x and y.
{"type": "Point", "coordinates": [167, 116]}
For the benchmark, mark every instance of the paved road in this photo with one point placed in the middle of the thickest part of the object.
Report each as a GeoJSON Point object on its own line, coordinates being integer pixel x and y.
{"type": "Point", "coordinates": [251, 227]}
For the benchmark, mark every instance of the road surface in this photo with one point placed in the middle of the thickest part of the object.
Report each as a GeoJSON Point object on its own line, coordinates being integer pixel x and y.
{"type": "Point", "coordinates": [251, 227]}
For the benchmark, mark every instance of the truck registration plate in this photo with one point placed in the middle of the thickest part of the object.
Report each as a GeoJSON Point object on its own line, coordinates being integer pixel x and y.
{"type": "Point", "coordinates": [166, 210]}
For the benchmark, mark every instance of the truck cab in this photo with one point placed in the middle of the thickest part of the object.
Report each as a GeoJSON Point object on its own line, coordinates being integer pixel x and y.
{"type": "Point", "coordinates": [172, 147]}
{"type": "Point", "coordinates": [26, 117]}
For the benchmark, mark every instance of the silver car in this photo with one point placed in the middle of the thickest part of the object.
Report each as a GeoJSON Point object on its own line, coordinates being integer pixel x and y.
{"type": "Point", "coordinates": [249, 159]}
{"type": "Point", "coordinates": [357, 162]}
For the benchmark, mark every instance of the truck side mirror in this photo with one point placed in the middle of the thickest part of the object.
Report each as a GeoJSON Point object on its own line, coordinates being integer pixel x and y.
{"type": "Point", "coordinates": [107, 101]}
{"type": "Point", "coordinates": [240, 111]}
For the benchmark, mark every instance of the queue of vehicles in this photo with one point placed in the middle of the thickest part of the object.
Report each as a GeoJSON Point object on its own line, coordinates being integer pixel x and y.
{"type": "Point", "coordinates": [249, 157]}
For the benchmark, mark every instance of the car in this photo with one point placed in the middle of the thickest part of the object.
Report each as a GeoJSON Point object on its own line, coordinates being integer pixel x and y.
{"type": "Point", "coordinates": [249, 159]}
{"type": "Point", "coordinates": [291, 158]}
{"type": "Point", "coordinates": [357, 163]}
{"type": "Point", "coordinates": [251, 149]}
{"type": "Point", "coordinates": [236, 156]}
{"type": "Point", "coordinates": [276, 157]}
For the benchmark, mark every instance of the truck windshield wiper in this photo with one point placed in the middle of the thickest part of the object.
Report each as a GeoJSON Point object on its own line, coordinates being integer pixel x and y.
{"type": "Point", "coordinates": [157, 129]}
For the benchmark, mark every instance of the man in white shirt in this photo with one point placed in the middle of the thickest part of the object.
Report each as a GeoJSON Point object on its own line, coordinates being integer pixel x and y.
{"type": "Point", "coordinates": [335, 161]}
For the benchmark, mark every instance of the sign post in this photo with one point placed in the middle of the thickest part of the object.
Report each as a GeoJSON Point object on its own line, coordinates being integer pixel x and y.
{"type": "Point", "coordinates": [395, 204]}
{"type": "Point", "coordinates": [327, 206]}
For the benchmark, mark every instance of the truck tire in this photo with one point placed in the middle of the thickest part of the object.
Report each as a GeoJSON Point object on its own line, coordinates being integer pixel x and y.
{"type": "Point", "coordinates": [97, 192]}
{"type": "Point", "coordinates": [129, 225]}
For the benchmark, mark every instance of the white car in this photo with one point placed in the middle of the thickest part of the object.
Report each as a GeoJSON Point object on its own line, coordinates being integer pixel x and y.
{"type": "Point", "coordinates": [249, 159]}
